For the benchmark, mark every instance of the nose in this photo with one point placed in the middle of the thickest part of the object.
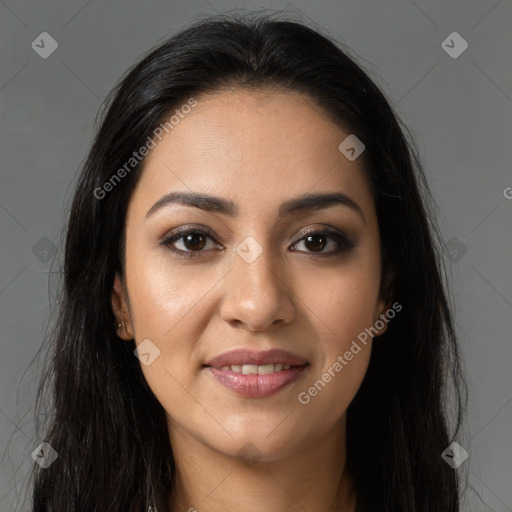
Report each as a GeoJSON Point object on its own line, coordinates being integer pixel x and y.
{"type": "Point", "coordinates": [257, 295]}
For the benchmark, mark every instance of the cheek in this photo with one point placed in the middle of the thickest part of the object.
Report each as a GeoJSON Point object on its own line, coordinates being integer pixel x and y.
{"type": "Point", "coordinates": [342, 300]}
{"type": "Point", "coordinates": [329, 392]}
{"type": "Point", "coordinates": [162, 294]}
{"type": "Point", "coordinates": [341, 306]}
{"type": "Point", "coordinates": [162, 302]}
{"type": "Point", "coordinates": [342, 355]}
{"type": "Point", "coordinates": [171, 305]}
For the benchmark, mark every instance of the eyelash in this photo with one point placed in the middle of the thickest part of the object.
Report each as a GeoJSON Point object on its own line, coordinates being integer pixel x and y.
{"type": "Point", "coordinates": [344, 244]}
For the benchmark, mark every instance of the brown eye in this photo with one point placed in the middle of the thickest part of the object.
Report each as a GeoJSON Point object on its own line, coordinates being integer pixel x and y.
{"type": "Point", "coordinates": [189, 242]}
{"type": "Point", "coordinates": [315, 242]}
{"type": "Point", "coordinates": [194, 241]}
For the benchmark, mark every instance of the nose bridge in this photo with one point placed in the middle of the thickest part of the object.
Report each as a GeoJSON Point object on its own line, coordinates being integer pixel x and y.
{"type": "Point", "coordinates": [256, 294]}
{"type": "Point", "coordinates": [254, 266]}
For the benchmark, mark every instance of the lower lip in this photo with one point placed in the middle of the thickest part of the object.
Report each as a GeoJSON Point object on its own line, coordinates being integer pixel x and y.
{"type": "Point", "coordinates": [256, 386]}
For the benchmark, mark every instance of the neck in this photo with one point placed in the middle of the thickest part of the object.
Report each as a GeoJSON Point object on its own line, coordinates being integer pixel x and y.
{"type": "Point", "coordinates": [312, 478]}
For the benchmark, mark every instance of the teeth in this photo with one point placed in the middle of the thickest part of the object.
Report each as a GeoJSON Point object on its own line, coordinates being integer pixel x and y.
{"type": "Point", "coordinates": [249, 369]}
{"type": "Point", "coordinates": [253, 369]}
{"type": "Point", "coordinates": [265, 369]}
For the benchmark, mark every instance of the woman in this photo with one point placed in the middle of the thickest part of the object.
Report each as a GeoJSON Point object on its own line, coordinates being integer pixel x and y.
{"type": "Point", "coordinates": [253, 314]}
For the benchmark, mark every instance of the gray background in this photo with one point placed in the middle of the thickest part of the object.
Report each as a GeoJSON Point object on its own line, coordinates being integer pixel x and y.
{"type": "Point", "coordinates": [458, 110]}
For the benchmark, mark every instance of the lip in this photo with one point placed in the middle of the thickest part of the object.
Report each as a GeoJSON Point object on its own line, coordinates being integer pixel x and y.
{"type": "Point", "coordinates": [254, 385]}
{"type": "Point", "coordinates": [243, 356]}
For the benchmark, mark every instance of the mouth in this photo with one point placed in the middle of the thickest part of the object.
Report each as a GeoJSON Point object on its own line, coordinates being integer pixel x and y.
{"type": "Point", "coordinates": [255, 369]}
{"type": "Point", "coordinates": [256, 374]}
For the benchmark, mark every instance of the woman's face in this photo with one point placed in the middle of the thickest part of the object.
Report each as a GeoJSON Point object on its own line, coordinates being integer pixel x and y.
{"type": "Point", "coordinates": [255, 280]}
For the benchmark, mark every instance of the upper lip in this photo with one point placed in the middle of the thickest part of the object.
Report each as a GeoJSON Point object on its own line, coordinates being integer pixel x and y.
{"type": "Point", "coordinates": [243, 356]}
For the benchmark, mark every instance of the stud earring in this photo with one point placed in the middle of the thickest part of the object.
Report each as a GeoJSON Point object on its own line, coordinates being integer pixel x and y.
{"type": "Point", "coordinates": [121, 324]}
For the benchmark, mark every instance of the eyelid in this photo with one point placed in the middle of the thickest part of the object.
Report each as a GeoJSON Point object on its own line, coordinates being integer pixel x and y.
{"type": "Point", "coordinates": [321, 228]}
{"type": "Point", "coordinates": [190, 228]}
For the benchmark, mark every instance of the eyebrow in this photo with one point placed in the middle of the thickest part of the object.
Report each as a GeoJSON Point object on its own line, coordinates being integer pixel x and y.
{"type": "Point", "coordinates": [209, 203]}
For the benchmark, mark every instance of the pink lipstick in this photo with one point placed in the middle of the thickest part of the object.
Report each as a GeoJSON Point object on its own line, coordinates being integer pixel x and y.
{"type": "Point", "coordinates": [256, 374]}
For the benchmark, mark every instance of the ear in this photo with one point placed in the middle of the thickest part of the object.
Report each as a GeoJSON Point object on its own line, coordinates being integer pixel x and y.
{"type": "Point", "coordinates": [120, 309]}
{"type": "Point", "coordinates": [380, 318]}
{"type": "Point", "coordinates": [384, 302]}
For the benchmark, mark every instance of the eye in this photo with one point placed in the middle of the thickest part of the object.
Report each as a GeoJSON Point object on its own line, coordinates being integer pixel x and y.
{"type": "Point", "coordinates": [192, 241]}
{"type": "Point", "coordinates": [317, 240]}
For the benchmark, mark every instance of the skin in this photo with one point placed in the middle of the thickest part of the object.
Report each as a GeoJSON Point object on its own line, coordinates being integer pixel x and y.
{"type": "Point", "coordinates": [258, 149]}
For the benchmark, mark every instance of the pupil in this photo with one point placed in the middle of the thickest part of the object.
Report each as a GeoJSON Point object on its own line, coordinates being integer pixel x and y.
{"type": "Point", "coordinates": [315, 246]}
{"type": "Point", "coordinates": [192, 239]}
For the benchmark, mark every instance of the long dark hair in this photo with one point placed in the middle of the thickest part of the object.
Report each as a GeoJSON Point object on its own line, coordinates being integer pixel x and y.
{"type": "Point", "coordinates": [106, 425]}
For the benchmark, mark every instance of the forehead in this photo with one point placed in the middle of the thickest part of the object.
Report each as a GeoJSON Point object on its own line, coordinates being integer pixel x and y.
{"type": "Point", "coordinates": [256, 147]}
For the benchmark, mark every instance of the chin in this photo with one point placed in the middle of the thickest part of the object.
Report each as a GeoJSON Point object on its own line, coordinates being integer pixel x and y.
{"type": "Point", "coordinates": [257, 446]}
